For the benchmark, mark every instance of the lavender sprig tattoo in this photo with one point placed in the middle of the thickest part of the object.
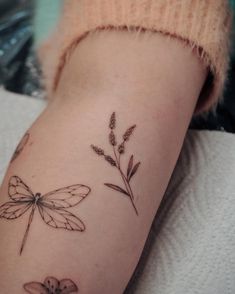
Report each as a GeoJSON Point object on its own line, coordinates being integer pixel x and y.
{"type": "Point", "coordinates": [115, 160]}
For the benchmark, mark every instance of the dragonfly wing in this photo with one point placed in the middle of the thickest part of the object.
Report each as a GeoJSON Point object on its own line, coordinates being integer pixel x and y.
{"type": "Point", "coordinates": [35, 288]}
{"type": "Point", "coordinates": [65, 197]}
{"type": "Point", "coordinates": [13, 210]}
{"type": "Point", "coordinates": [60, 219]}
{"type": "Point", "coordinates": [18, 190]}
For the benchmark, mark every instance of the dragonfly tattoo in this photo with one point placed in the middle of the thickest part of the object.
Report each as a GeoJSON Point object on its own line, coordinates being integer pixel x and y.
{"type": "Point", "coordinates": [51, 206]}
{"type": "Point", "coordinates": [51, 286]}
{"type": "Point", "coordinates": [20, 146]}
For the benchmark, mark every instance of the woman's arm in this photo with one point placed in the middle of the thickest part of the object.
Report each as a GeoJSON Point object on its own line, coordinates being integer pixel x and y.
{"type": "Point", "coordinates": [151, 83]}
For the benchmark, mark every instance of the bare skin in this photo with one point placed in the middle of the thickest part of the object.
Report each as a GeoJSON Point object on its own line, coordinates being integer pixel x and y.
{"type": "Point", "coordinates": [149, 81]}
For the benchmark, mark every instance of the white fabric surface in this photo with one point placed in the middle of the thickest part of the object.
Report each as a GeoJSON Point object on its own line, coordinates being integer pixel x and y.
{"type": "Point", "coordinates": [191, 247]}
{"type": "Point", "coordinates": [17, 113]}
{"type": "Point", "coordinates": [192, 242]}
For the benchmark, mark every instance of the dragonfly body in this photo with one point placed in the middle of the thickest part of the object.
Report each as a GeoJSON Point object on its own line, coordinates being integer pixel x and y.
{"type": "Point", "coordinates": [28, 227]}
{"type": "Point", "coordinates": [37, 197]}
{"type": "Point", "coordinates": [35, 200]}
{"type": "Point", "coordinates": [51, 206]}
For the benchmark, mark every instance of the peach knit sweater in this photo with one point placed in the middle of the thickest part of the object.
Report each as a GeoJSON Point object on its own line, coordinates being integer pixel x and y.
{"type": "Point", "coordinates": [203, 24]}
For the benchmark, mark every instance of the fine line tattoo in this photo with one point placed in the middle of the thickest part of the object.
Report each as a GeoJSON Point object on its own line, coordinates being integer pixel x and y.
{"type": "Point", "coordinates": [20, 146]}
{"type": "Point", "coordinates": [115, 161]}
{"type": "Point", "coordinates": [51, 206]}
{"type": "Point", "coordinates": [51, 286]}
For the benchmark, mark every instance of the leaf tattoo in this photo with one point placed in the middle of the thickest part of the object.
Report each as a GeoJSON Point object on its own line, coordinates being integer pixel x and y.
{"type": "Point", "coordinates": [115, 159]}
{"type": "Point", "coordinates": [117, 188]}
{"type": "Point", "coordinates": [20, 147]}
{"type": "Point", "coordinates": [51, 286]}
{"type": "Point", "coordinates": [130, 166]}
{"type": "Point", "coordinates": [133, 171]}
{"type": "Point", "coordinates": [51, 206]}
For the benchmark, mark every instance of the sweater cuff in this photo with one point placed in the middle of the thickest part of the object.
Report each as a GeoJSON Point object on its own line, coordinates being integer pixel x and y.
{"type": "Point", "coordinates": [203, 25]}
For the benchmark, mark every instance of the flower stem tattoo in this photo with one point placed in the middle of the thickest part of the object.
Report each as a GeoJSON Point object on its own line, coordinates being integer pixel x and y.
{"type": "Point", "coordinates": [51, 206]}
{"type": "Point", "coordinates": [20, 146]}
{"type": "Point", "coordinates": [51, 286]}
{"type": "Point", "coordinates": [115, 160]}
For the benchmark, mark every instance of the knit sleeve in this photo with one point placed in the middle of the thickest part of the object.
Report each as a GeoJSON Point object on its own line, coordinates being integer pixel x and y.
{"type": "Point", "coordinates": [203, 25]}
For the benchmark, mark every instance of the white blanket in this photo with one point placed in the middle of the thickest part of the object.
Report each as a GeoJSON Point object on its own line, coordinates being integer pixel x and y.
{"type": "Point", "coordinates": [191, 247]}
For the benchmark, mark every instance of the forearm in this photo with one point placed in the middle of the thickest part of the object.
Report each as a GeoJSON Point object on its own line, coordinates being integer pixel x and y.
{"type": "Point", "coordinates": [149, 85]}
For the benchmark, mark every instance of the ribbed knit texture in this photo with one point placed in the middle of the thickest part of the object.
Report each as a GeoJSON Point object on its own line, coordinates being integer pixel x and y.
{"type": "Point", "coordinates": [203, 24]}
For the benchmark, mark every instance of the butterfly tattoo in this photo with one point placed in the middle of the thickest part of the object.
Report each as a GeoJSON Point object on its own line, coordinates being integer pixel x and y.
{"type": "Point", "coordinates": [20, 146]}
{"type": "Point", "coordinates": [51, 286]}
{"type": "Point", "coordinates": [51, 206]}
